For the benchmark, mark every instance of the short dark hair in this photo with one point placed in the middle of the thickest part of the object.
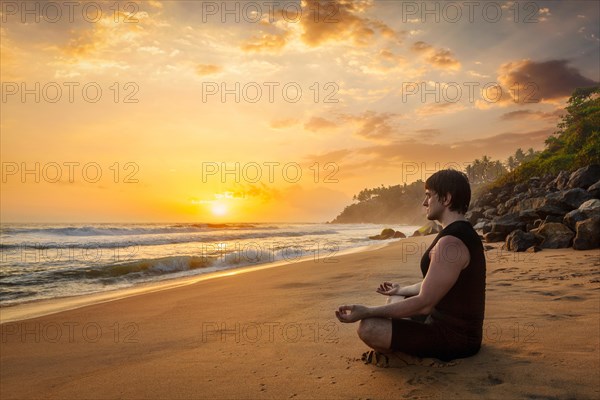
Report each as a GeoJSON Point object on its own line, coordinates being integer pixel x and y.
{"type": "Point", "coordinates": [454, 182]}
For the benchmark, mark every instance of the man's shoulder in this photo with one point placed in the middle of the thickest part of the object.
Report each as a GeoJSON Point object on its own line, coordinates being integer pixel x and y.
{"type": "Point", "coordinates": [460, 229]}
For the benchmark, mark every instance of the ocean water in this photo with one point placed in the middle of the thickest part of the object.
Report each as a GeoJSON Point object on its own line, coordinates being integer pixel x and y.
{"type": "Point", "coordinates": [43, 261]}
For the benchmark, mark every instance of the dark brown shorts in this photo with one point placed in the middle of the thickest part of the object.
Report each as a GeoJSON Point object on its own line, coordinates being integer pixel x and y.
{"type": "Point", "coordinates": [430, 339]}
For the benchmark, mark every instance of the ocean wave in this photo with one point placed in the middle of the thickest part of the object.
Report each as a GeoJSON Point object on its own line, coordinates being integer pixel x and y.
{"type": "Point", "coordinates": [163, 240]}
{"type": "Point", "coordinates": [125, 231]}
{"type": "Point", "coordinates": [137, 268]}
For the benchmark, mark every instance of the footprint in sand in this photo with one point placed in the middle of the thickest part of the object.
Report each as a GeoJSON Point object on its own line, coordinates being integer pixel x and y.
{"type": "Point", "coordinates": [400, 360]}
{"type": "Point", "coordinates": [421, 380]}
{"type": "Point", "coordinates": [493, 381]}
{"type": "Point", "coordinates": [572, 298]}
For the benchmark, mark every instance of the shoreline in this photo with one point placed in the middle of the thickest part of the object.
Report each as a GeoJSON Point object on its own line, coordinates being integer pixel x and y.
{"type": "Point", "coordinates": [42, 307]}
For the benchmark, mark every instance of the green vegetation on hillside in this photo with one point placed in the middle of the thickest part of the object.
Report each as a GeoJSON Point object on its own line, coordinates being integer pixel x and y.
{"type": "Point", "coordinates": [575, 144]}
{"type": "Point", "coordinates": [399, 204]}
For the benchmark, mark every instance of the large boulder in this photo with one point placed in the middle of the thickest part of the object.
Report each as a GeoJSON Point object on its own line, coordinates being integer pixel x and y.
{"type": "Point", "coordinates": [483, 225]}
{"type": "Point", "coordinates": [505, 224]}
{"type": "Point", "coordinates": [428, 229]}
{"type": "Point", "coordinates": [492, 237]}
{"type": "Point", "coordinates": [519, 240]}
{"type": "Point", "coordinates": [546, 180]}
{"type": "Point", "coordinates": [513, 201]}
{"type": "Point", "coordinates": [544, 205]}
{"type": "Point", "coordinates": [586, 210]}
{"type": "Point", "coordinates": [560, 182]}
{"type": "Point", "coordinates": [594, 190]}
{"type": "Point", "coordinates": [528, 215]}
{"type": "Point", "coordinates": [584, 177]}
{"type": "Point", "coordinates": [490, 213]}
{"type": "Point", "coordinates": [590, 205]}
{"type": "Point", "coordinates": [504, 195]}
{"type": "Point", "coordinates": [474, 214]}
{"type": "Point", "coordinates": [553, 218]}
{"type": "Point", "coordinates": [520, 187]}
{"type": "Point", "coordinates": [587, 234]}
{"type": "Point", "coordinates": [555, 235]}
{"type": "Point", "coordinates": [485, 200]}
{"type": "Point", "coordinates": [573, 197]}
{"type": "Point", "coordinates": [388, 233]}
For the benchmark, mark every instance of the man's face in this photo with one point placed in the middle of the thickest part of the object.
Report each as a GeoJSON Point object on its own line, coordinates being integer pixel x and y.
{"type": "Point", "coordinates": [433, 204]}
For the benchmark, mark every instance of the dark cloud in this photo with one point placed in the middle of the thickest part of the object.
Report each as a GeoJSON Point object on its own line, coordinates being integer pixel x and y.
{"type": "Point", "coordinates": [528, 81]}
{"type": "Point", "coordinates": [530, 114]}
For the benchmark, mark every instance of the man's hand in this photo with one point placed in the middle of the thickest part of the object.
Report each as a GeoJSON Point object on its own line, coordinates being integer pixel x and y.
{"type": "Point", "coordinates": [351, 313]}
{"type": "Point", "coordinates": [388, 288]}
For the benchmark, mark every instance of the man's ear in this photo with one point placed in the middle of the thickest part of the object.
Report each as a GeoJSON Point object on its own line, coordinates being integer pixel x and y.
{"type": "Point", "coordinates": [447, 200]}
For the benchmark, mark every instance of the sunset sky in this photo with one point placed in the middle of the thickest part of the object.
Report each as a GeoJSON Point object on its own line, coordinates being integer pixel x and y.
{"type": "Point", "coordinates": [353, 108]}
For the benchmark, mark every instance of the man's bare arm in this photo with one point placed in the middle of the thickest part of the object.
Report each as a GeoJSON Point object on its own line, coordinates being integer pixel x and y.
{"type": "Point", "coordinates": [394, 289]}
{"type": "Point", "coordinates": [409, 291]}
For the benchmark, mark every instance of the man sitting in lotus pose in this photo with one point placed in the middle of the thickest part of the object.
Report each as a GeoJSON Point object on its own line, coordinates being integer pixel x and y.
{"type": "Point", "coordinates": [441, 316]}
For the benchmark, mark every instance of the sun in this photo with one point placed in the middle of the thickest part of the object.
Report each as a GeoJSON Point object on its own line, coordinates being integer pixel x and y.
{"type": "Point", "coordinates": [219, 209]}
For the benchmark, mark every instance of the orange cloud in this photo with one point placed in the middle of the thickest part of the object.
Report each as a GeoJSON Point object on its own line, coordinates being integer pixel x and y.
{"type": "Point", "coordinates": [106, 35]}
{"type": "Point", "coordinates": [439, 58]}
{"type": "Point", "coordinates": [440, 108]}
{"type": "Point", "coordinates": [260, 191]}
{"type": "Point", "coordinates": [320, 22]}
{"type": "Point", "coordinates": [428, 133]}
{"type": "Point", "coordinates": [339, 20]}
{"type": "Point", "coordinates": [393, 156]}
{"type": "Point", "coordinates": [283, 123]}
{"type": "Point", "coordinates": [373, 125]}
{"type": "Point", "coordinates": [266, 42]}
{"type": "Point", "coordinates": [334, 156]}
{"type": "Point", "coordinates": [496, 146]}
{"type": "Point", "coordinates": [317, 124]}
{"type": "Point", "coordinates": [208, 69]}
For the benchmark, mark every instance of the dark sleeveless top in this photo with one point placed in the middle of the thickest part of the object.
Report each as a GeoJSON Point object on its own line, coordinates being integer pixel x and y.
{"type": "Point", "coordinates": [462, 308]}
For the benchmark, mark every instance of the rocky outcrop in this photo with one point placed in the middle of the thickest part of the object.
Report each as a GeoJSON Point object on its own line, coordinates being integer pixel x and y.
{"type": "Point", "coordinates": [428, 229]}
{"type": "Point", "coordinates": [585, 211]}
{"type": "Point", "coordinates": [545, 212]}
{"type": "Point", "coordinates": [587, 234]}
{"type": "Point", "coordinates": [506, 224]}
{"type": "Point", "coordinates": [555, 235]}
{"type": "Point", "coordinates": [594, 190]}
{"type": "Point", "coordinates": [584, 177]}
{"type": "Point", "coordinates": [519, 240]}
{"type": "Point", "coordinates": [388, 233]}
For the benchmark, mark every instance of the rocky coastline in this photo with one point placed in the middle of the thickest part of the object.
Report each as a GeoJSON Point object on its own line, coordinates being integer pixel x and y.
{"type": "Point", "coordinates": [546, 212]}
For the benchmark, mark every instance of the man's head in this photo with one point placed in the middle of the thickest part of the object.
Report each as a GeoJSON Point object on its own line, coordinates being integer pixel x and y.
{"type": "Point", "coordinates": [447, 188]}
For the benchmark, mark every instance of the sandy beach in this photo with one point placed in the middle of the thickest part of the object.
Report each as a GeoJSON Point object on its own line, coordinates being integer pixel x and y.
{"type": "Point", "coordinates": [272, 334]}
